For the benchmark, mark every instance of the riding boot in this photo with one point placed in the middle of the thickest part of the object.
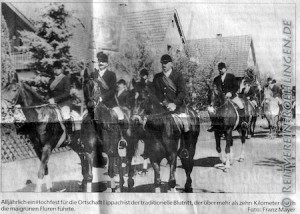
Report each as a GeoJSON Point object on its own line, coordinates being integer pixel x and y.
{"type": "Point", "coordinates": [243, 118]}
{"type": "Point", "coordinates": [69, 129]}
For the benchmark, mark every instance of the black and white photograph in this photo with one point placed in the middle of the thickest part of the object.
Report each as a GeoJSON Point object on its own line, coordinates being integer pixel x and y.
{"type": "Point", "coordinates": [149, 97]}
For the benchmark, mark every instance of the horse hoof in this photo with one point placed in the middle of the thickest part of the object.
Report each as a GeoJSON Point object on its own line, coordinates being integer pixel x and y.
{"type": "Point", "coordinates": [113, 189]}
{"type": "Point", "coordinates": [226, 170]}
{"type": "Point", "coordinates": [241, 159]}
{"type": "Point", "coordinates": [188, 189]}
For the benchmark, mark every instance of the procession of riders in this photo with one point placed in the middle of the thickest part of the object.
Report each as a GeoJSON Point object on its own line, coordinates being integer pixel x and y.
{"type": "Point", "coordinates": [168, 86]}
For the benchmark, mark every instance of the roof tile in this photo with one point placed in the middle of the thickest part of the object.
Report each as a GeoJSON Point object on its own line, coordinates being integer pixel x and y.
{"type": "Point", "coordinates": [234, 50]}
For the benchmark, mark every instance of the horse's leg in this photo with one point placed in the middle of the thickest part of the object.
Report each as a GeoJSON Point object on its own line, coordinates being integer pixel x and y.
{"type": "Point", "coordinates": [122, 166]}
{"type": "Point", "coordinates": [157, 180]}
{"type": "Point", "coordinates": [253, 124]}
{"type": "Point", "coordinates": [173, 162]}
{"type": "Point", "coordinates": [88, 178]}
{"type": "Point", "coordinates": [218, 145]}
{"type": "Point", "coordinates": [145, 166]}
{"type": "Point", "coordinates": [130, 180]}
{"type": "Point", "coordinates": [243, 140]}
{"type": "Point", "coordinates": [248, 135]}
{"type": "Point", "coordinates": [188, 163]}
{"type": "Point", "coordinates": [231, 151]}
{"type": "Point", "coordinates": [48, 180]}
{"type": "Point", "coordinates": [111, 172]}
{"type": "Point", "coordinates": [227, 148]}
{"type": "Point", "coordinates": [46, 150]}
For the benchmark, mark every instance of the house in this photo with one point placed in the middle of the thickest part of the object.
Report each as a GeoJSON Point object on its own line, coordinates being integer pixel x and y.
{"type": "Point", "coordinates": [236, 51]}
{"type": "Point", "coordinates": [16, 21]}
{"type": "Point", "coordinates": [162, 26]}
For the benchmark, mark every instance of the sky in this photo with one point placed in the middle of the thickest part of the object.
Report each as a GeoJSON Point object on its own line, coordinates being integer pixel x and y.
{"type": "Point", "coordinates": [203, 20]}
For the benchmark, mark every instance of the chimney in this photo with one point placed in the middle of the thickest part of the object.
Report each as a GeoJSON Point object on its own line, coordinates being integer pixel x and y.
{"type": "Point", "coordinates": [219, 35]}
{"type": "Point", "coordinates": [122, 9]}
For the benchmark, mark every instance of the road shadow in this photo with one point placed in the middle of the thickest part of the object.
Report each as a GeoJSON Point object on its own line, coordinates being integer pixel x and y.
{"type": "Point", "coordinates": [59, 186]}
{"type": "Point", "coordinates": [273, 162]}
{"type": "Point", "coordinates": [148, 188]}
{"type": "Point", "coordinates": [207, 162]}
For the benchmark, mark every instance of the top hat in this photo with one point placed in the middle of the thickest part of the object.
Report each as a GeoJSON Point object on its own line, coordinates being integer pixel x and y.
{"type": "Point", "coordinates": [144, 72]}
{"type": "Point", "coordinates": [121, 81]}
{"type": "Point", "coordinates": [102, 57]}
{"type": "Point", "coordinates": [165, 59]}
{"type": "Point", "coordinates": [221, 65]}
{"type": "Point", "coordinates": [57, 64]}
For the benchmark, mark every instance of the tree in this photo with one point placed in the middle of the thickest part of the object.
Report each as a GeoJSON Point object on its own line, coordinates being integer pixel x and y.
{"type": "Point", "coordinates": [7, 68]}
{"type": "Point", "coordinates": [199, 77]}
{"type": "Point", "coordinates": [50, 42]}
{"type": "Point", "coordinates": [136, 53]}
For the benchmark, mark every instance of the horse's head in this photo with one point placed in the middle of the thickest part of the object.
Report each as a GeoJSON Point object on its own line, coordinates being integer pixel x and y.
{"type": "Point", "coordinates": [18, 92]}
{"type": "Point", "coordinates": [91, 91]}
{"type": "Point", "coordinates": [217, 97]}
{"type": "Point", "coordinates": [145, 104]}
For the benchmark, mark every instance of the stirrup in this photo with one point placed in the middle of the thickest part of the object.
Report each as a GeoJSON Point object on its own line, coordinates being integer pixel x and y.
{"type": "Point", "coordinates": [122, 145]}
{"type": "Point", "coordinates": [184, 153]}
{"type": "Point", "coordinates": [244, 125]}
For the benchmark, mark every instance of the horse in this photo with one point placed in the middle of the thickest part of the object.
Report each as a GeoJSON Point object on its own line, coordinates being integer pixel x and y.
{"type": "Point", "coordinates": [43, 127]}
{"type": "Point", "coordinates": [162, 137]}
{"type": "Point", "coordinates": [225, 114]}
{"type": "Point", "coordinates": [272, 112]}
{"type": "Point", "coordinates": [101, 129]}
{"type": "Point", "coordinates": [252, 110]}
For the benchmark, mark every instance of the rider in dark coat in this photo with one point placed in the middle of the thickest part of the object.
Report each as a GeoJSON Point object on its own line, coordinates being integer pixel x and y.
{"type": "Point", "coordinates": [170, 89]}
{"type": "Point", "coordinates": [106, 80]}
{"type": "Point", "coordinates": [59, 92]}
{"type": "Point", "coordinates": [59, 87]}
{"type": "Point", "coordinates": [169, 86]}
{"type": "Point", "coordinates": [227, 84]}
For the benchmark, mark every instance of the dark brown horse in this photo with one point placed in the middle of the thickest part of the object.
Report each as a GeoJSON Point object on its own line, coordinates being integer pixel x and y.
{"type": "Point", "coordinates": [162, 137]}
{"type": "Point", "coordinates": [101, 132]}
{"type": "Point", "coordinates": [227, 118]}
{"type": "Point", "coordinates": [42, 126]}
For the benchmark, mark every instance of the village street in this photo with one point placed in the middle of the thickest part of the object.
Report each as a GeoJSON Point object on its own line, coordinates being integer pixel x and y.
{"type": "Point", "coordinates": [261, 171]}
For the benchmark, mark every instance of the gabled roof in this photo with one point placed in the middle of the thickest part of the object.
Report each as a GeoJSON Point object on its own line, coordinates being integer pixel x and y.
{"type": "Point", "coordinates": [155, 22]}
{"type": "Point", "coordinates": [233, 50]}
{"type": "Point", "coordinates": [25, 20]}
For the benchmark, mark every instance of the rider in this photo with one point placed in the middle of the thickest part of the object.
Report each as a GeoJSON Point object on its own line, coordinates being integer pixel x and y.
{"type": "Point", "coordinates": [170, 89]}
{"type": "Point", "coordinates": [227, 83]}
{"type": "Point", "coordinates": [106, 80]}
{"type": "Point", "coordinates": [277, 92]}
{"type": "Point", "coordinates": [246, 89]}
{"type": "Point", "coordinates": [59, 90]}
{"type": "Point", "coordinates": [121, 98]}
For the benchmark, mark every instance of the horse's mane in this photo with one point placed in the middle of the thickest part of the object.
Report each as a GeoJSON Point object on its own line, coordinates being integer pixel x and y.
{"type": "Point", "coordinates": [36, 98]}
{"type": "Point", "coordinates": [158, 117]}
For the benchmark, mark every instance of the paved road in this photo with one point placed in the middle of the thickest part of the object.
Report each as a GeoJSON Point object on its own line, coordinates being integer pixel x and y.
{"type": "Point", "coordinates": [261, 172]}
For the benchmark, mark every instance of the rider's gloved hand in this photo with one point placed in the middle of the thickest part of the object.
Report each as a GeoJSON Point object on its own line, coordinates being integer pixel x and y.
{"type": "Point", "coordinates": [171, 106]}
{"type": "Point", "coordinates": [51, 101]}
{"type": "Point", "coordinates": [228, 94]}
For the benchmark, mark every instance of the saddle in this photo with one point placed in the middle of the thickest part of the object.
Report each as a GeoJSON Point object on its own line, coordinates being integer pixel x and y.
{"type": "Point", "coordinates": [182, 125]}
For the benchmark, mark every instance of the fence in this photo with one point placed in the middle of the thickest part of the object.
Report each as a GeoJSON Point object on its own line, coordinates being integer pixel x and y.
{"type": "Point", "coordinates": [17, 147]}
